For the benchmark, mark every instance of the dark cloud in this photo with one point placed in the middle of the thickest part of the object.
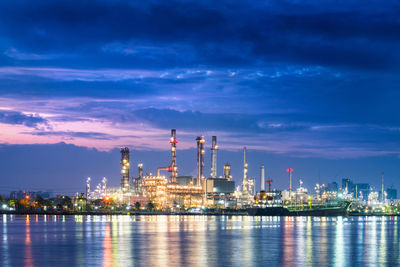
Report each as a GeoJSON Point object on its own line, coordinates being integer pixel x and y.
{"type": "Point", "coordinates": [15, 117]}
{"type": "Point", "coordinates": [183, 33]}
{"type": "Point", "coordinates": [70, 134]}
{"type": "Point", "coordinates": [272, 70]}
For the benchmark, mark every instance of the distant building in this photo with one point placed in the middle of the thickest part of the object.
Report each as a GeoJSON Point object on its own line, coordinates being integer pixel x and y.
{"type": "Point", "coordinates": [332, 187]}
{"type": "Point", "coordinates": [347, 184]}
{"type": "Point", "coordinates": [391, 193]}
{"type": "Point", "coordinates": [364, 188]}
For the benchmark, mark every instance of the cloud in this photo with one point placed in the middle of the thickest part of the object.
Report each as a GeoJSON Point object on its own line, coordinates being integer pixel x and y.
{"type": "Point", "coordinates": [182, 33]}
{"type": "Point", "coordinates": [284, 76]}
{"type": "Point", "coordinates": [19, 118]}
{"type": "Point", "coordinates": [72, 135]}
{"type": "Point", "coordinates": [15, 54]}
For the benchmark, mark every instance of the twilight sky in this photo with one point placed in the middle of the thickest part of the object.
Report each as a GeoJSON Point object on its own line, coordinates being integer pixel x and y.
{"type": "Point", "coordinates": [311, 84]}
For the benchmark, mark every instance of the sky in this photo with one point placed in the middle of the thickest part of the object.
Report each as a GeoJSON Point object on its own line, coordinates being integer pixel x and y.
{"type": "Point", "coordinates": [311, 85]}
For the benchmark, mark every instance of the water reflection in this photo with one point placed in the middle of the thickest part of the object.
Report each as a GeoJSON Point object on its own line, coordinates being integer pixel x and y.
{"type": "Point", "coordinates": [198, 241]}
{"type": "Point", "coordinates": [28, 257]}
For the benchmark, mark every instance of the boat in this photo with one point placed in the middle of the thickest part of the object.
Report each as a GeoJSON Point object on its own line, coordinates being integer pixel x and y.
{"type": "Point", "coordinates": [339, 208]}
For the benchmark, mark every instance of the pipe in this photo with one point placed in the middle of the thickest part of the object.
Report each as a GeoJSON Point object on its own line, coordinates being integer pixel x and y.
{"type": "Point", "coordinates": [161, 169]}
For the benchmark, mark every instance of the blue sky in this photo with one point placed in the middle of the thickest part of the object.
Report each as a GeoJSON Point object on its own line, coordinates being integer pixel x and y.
{"type": "Point", "coordinates": [298, 81]}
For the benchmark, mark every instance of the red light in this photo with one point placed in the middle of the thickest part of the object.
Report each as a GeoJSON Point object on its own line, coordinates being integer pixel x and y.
{"type": "Point", "coordinates": [174, 141]}
{"type": "Point", "coordinates": [289, 170]}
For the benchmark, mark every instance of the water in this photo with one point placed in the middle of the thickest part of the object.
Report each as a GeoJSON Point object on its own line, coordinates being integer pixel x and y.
{"type": "Point", "coordinates": [198, 241]}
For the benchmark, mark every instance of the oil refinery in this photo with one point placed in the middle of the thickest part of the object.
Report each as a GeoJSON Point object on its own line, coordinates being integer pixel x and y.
{"type": "Point", "coordinates": [168, 191]}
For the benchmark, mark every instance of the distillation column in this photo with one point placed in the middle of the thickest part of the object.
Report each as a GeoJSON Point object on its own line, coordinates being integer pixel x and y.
{"type": "Point", "coordinates": [125, 169]}
{"type": "Point", "coordinates": [214, 149]}
{"type": "Point", "coordinates": [200, 158]}
{"type": "Point", "coordinates": [245, 182]}
{"type": "Point", "coordinates": [87, 187]}
{"type": "Point", "coordinates": [173, 168]}
{"type": "Point", "coordinates": [262, 179]}
{"type": "Point", "coordinates": [138, 182]}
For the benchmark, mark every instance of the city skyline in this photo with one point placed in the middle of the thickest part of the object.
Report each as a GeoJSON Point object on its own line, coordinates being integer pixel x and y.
{"type": "Point", "coordinates": [301, 85]}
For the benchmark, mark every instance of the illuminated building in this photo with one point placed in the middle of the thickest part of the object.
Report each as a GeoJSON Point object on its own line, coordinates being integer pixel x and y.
{"type": "Point", "coordinates": [169, 195]}
{"type": "Point", "coordinates": [125, 169]}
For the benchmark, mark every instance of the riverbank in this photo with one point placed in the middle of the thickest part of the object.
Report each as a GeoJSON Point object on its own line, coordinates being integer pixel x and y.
{"type": "Point", "coordinates": [219, 213]}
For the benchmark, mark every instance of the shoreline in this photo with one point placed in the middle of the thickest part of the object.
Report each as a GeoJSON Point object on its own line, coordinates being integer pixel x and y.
{"type": "Point", "coordinates": [149, 213]}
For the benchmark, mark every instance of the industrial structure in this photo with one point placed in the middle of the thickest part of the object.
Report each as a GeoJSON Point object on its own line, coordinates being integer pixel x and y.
{"type": "Point", "coordinates": [200, 159]}
{"type": "Point", "coordinates": [174, 192]}
{"type": "Point", "coordinates": [125, 169]}
{"type": "Point", "coordinates": [214, 148]}
{"type": "Point", "coordinates": [262, 186]}
{"type": "Point", "coordinates": [227, 172]}
{"type": "Point", "coordinates": [173, 168]}
{"type": "Point", "coordinates": [245, 183]}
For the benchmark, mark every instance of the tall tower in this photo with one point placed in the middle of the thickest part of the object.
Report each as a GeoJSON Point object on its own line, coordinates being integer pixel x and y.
{"type": "Point", "coordinates": [214, 149]}
{"type": "Point", "coordinates": [87, 187]}
{"type": "Point", "coordinates": [245, 181]}
{"type": "Point", "coordinates": [383, 191]}
{"type": "Point", "coordinates": [138, 182]}
{"type": "Point", "coordinates": [173, 168]}
{"type": "Point", "coordinates": [200, 158]}
{"type": "Point", "coordinates": [290, 170]}
{"type": "Point", "coordinates": [140, 170]}
{"type": "Point", "coordinates": [125, 169]}
{"type": "Point", "coordinates": [262, 178]}
{"type": "Point", "coordinates": [227, 172]}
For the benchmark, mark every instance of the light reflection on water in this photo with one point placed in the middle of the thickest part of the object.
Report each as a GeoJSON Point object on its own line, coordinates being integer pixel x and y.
{"type": "Point", "coordinates": [52, 240]}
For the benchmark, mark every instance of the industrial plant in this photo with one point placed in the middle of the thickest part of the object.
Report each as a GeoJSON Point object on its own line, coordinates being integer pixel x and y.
{"type": "Point", "coordinates": [169, 191]}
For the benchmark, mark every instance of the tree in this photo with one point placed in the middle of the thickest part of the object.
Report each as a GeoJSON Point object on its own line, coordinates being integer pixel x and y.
{"type": "Point", "coordinates": [137, 205]}
{"type": "Point", "coordinates": [66, 201]}
{"type": "Point", "coordinates": [150, 206]}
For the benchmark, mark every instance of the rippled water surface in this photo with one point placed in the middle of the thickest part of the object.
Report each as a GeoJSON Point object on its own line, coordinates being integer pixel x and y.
{"type": "Point", "coordinates": [198, 241]}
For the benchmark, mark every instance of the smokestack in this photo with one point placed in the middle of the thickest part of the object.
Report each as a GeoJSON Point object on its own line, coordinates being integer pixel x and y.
{"type": "Point", "coordinates": [125, 169]}
{"type": "Point", "coordinates": [262, 178]}
{"type": "Point", "coordinates": [227, 172]}
{"type": "Point", "coordinates": [200, 158]}
{"type": "Point", "coordinates": [173, 168]}
{"type": "Point", "coordinates": [245, 183]}
{"type": "Point", "coordinates": [214, 149]}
